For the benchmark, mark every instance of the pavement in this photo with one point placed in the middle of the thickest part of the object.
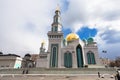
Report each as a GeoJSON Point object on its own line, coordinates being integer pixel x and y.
{"type": "Point", "coordinates": [55, 77]}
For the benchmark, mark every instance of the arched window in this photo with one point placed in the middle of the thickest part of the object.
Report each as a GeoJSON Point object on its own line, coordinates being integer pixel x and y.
{"type": "Point", "coordinates": [79, 56]}
{"type": "Point", "coordinates": [91, 58]}
{"type": "Point", "coordinates": [68, 60]}
{"type": "Point", "coordinates": [54, 57]}
{"type": "Point", "coordinates": [59, 21]}
{"type": "Point", "coordinates": [55, 28]}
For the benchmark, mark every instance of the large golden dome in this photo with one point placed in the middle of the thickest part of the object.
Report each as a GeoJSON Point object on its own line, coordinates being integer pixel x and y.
{"type": "Point", "coordinates": [72, 36]}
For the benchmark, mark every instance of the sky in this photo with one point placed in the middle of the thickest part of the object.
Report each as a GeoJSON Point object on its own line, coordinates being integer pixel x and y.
{"type": "Point", "coordinates": [24, 24]}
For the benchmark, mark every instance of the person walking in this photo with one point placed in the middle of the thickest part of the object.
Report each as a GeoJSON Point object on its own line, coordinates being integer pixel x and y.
{"type": "Point", "coordinates": [118, 75]}
{"type": "Point", "coordinates": [99, 74]}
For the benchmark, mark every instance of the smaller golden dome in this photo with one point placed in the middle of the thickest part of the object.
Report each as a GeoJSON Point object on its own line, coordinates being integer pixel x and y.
{"type": "Point", "coordinates": [72, 36]}
{"type": "Point", "coordinates": [43, 42]}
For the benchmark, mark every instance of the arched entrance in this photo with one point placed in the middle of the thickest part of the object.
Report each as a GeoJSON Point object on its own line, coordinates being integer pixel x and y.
{"type": "Point", "coordinates": [68, 60]}
{"type": "Point", "coordinates": [91, 58]}
{"type": "Point", "coordinates": [53, 57]}
{"type": "Point", "coordinates": [79, 56]}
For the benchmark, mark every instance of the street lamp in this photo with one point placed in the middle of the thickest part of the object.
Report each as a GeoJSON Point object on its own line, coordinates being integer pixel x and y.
{"type": "Point", "coordinates": [105, 59]}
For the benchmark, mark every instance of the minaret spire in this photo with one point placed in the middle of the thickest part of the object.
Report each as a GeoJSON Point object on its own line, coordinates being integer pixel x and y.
{"type": "Point", "coordinates": [58, 7]}
{"type": "Point", "coordinates": [56, 25]}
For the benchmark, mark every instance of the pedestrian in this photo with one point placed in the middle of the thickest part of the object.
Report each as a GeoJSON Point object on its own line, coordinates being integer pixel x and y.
{"type": "Point", "coordinates": [27, 71]}
{"type": "Point", "coordinates": [118, 75]}
{"type": "Point", "coordinates": [99, 74]}
{"type": "Point", "coordinates": [23, 71]}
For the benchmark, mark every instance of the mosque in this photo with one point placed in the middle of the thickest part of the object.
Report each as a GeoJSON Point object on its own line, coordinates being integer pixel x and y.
{"type": "Point", "coordinates": [71, 52]}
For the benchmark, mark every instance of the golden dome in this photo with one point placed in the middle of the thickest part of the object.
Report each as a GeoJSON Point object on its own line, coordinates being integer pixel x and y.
{"type": "Point", "coordinates": [43, 42]}
{"type": "Point", "coordinates": [72, 36]}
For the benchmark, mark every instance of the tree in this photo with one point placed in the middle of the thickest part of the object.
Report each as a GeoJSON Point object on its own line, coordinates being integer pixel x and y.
{"type": "Point", "coordinates": [117, 61]}
{"type": "Point", "coordinates": [112, 64]}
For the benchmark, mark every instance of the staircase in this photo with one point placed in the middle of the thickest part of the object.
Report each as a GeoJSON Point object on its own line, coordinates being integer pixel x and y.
{"type": "Point", "coordinates": [59, 71]}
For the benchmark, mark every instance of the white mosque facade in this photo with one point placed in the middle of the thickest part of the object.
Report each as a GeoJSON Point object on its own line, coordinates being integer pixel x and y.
{"type": "Point", "coordinates": [71, 52]}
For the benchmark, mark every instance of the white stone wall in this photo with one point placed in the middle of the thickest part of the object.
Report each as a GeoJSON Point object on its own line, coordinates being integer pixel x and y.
{"type": "Point", "coordinates": [42, 63]}
{"type": "Point", "coordinates": [7, 64]}
{"type": "Point", "coordinates": [71, 47]}
{"type": "Point", "coordinates": [71, 50]}
{"type": "Point", "coordinates": [18, 62]}
{"type": "Point", "coordinates": [59, 41]}
{"type": "Point", "coordinates": [9, 61]}
{"type": "Point", "coordinates": [43, 60]}
{"type": "Point", "coordinates": [94, 49]}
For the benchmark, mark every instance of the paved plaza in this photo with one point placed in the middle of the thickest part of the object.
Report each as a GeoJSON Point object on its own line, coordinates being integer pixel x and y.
{"type": "Point", "coordinates": [54, 77]}
{"type": "Point", "coordinates": [57, 74]}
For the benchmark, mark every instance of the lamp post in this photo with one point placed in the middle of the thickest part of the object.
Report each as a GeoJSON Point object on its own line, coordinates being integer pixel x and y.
{"type": "Point", "coordinates": [105, 59]}
{"type": "Point", "coordinates": [104, 51]}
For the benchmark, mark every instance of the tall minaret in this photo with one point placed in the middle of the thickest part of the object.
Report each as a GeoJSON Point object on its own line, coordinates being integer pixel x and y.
{"type": "Point", "coordinates": [56, 25]}
{"type": "Point", "coordinates": [55, 38]}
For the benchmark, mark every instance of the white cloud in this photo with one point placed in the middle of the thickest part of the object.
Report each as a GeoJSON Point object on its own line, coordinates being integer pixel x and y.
{"type": "Point", "coordinates": [24, 23]}
{"type": "Point", "coordinates": [104, 15]}
{"type": "Point", "coordinates": [100, 12]}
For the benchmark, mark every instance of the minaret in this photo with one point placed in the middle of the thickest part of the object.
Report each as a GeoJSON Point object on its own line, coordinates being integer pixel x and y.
{"type": "Point", "coordinates": [55, 38]}
{"type": "Point", "coordinates": [56, 25]}
{"type": "Point", "coordinates": [42, 48]}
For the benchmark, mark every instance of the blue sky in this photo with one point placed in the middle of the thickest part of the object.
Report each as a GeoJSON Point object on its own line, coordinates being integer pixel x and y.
{"type": "Point", "coordinates": [84, 32]}
{"type": "Point", "coordinates": [24, 23]}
